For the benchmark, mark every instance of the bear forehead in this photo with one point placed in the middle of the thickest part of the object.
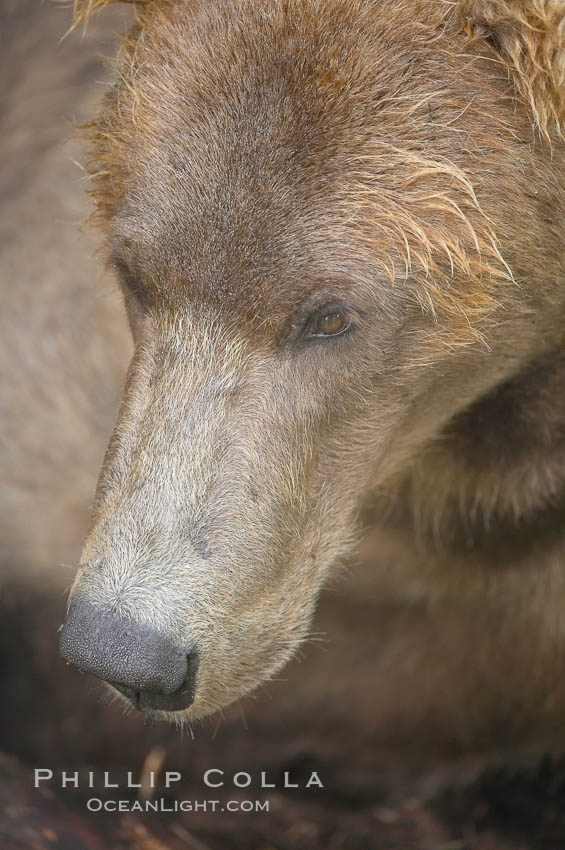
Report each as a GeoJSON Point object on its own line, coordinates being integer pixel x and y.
{"type": "Point", "coordinates": [233, 145]}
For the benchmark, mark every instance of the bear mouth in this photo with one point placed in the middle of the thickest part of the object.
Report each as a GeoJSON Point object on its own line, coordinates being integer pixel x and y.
{"type": "Point", "coordinates": [144, 700]}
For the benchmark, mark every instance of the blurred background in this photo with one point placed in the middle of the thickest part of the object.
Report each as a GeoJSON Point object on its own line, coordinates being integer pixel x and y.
{"type": "Point", "coordinates": [391, 779]}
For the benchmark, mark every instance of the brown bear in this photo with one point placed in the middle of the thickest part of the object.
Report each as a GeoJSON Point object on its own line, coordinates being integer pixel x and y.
{"type": "Point", "coordinates": [338, 227]}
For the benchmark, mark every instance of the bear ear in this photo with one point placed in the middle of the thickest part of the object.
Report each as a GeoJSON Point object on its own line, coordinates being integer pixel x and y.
{"type": "Point", "coordinates": [529, 37]}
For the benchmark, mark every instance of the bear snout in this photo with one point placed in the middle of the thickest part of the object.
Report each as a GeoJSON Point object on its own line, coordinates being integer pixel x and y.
{"type": "Point", "coordinates": [139, 661]}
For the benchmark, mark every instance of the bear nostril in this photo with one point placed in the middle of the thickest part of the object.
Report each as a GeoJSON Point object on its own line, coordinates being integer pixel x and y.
{"type": "Point", "coordinates": [138, 660]}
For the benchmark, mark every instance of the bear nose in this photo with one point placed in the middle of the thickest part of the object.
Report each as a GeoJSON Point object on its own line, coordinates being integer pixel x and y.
{"type": "Point", "coordinates": [139, 661]}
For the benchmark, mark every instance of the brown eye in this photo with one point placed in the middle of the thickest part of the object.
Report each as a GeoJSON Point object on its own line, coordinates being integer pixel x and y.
{"type": "Point", "coordinates": [329, 322]}
{"type": "Point", "coordinates": [129, 282]}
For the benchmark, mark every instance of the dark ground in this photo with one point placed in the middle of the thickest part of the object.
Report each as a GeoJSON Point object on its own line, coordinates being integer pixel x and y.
{"type": "Point", "coordinates": [53, 717]}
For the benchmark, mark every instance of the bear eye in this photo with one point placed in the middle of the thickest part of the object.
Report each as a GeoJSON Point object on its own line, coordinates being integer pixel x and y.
{"type": "Point", "coordinates": [328, 321]}
{"type": "Point", "coordinates": [130, 282]}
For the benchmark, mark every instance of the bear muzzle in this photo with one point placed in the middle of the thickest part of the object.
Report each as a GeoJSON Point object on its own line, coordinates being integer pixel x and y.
{"type": "Point", "coordinates": [140, 662]}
